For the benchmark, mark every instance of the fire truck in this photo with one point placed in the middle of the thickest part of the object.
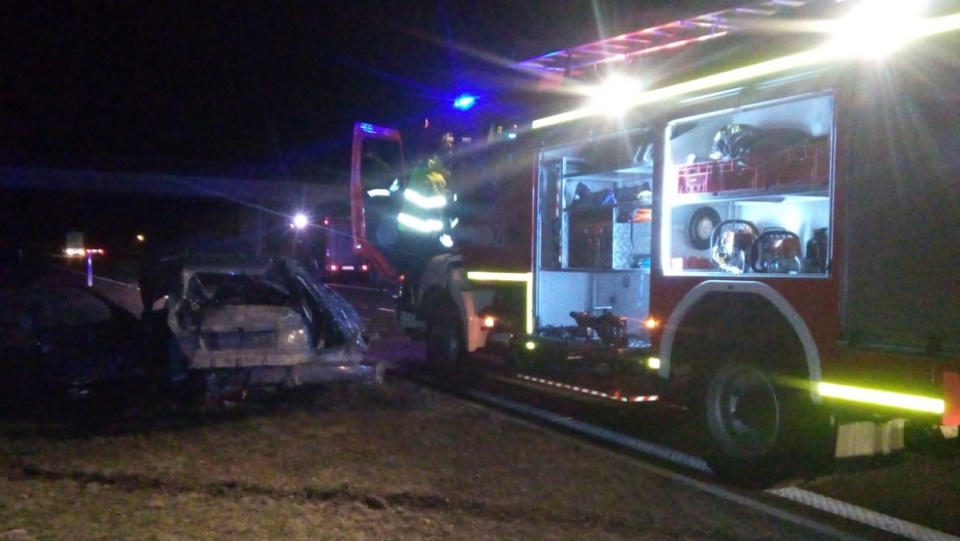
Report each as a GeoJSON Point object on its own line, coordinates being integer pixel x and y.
{"type": "Point", "coordinates": [766, 234]}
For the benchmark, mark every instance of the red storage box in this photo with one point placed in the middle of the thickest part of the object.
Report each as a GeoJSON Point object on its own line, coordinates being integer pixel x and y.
{"type": "Point", "coordinates": [808, 164]}
{"type": "Point", "coordinates": [741, 173]}
{"type": "Point", "coordinates": [695, 178]}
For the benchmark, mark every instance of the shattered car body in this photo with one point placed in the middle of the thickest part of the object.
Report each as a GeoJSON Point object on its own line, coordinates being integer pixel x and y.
{"type": "Point", "coordinates": [243, 322]}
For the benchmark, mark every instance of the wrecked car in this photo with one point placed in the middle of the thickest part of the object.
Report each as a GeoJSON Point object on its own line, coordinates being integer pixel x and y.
{"type": "Point", "coordinates": [235, 323]}
{"type": "Point", "coordinates": [63, 345]}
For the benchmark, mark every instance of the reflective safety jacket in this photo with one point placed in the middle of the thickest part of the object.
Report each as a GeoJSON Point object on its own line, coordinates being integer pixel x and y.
{"type": "Point", "coordinates": [425, 198]}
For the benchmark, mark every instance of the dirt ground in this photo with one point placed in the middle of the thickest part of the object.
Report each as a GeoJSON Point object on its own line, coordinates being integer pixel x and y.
{"type": "Point", "coordinates": [395, 462]}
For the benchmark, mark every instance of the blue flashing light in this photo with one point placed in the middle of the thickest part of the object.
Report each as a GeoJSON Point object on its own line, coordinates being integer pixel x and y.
{"type": "Point", "coordinates": [465, 102]}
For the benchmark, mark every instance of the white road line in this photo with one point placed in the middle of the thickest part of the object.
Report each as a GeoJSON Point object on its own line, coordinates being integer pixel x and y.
{"type": "Point", "coordinates": [880, 521]}
{"type": "Point", "coordinates": [847, 511]}
{"type": "Point", "coordinates": [117, 282]}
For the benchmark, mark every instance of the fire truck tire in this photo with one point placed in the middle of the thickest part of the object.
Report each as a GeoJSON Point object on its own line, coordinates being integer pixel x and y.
{"type": "Point", "coordinates": [749, 421]}
{"type": "Point", "coordinates": [446, 349]}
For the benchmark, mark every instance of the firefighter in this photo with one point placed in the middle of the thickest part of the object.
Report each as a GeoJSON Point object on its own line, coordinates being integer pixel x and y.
{"type": "Point", "coordinates": [421, 221]}
{"type": "Point", "coordinates": [425, 197]}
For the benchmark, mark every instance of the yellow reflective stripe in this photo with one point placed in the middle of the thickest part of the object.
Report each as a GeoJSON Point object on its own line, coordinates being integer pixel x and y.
{"type": "Point", "coordinates": [881, 398]}
{"type": "Point", "coordinates": [498, 276]}
{"type": "Point", "coordinates": [419, 224]}
{"type": "Point", "coordinates": [424, 202]}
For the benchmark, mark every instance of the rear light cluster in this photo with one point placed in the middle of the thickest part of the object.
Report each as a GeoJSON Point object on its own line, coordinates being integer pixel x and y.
{"type": "Point", "coordinates": [334, 267]}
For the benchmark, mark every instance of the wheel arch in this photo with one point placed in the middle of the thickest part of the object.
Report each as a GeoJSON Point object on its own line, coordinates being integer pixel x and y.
{"type": "Point", "coordinates": [446, 290]}
{"type": "Point", "coordinates": [694, 327]}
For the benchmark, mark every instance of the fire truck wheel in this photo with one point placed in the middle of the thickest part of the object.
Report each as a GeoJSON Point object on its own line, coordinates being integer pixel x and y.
{"type": "Point", "coordinates": [446, 349]}
{"type": "Point", "coordinates": [748, 419]}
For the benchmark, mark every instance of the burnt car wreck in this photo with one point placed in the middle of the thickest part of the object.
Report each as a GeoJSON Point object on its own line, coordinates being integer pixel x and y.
{"type": "Point", "coordinates": [233, 323]}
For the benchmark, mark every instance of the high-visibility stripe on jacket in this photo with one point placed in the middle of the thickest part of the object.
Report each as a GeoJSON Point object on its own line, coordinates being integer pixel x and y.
{"type": "Point", "coordinates": [424, 199]}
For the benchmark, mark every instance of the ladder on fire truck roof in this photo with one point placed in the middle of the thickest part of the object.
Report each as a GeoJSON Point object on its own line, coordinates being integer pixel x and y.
{"type": "Point", "coordinates": [575, 61]}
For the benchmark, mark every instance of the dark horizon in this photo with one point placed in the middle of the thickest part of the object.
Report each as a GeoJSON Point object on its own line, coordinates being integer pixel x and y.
{"type": "Point", "coordinates": [256, 84]}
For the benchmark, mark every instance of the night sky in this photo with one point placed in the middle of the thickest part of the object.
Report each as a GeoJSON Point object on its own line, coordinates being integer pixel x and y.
{"type": "Point", "coordinates": [249, 82]}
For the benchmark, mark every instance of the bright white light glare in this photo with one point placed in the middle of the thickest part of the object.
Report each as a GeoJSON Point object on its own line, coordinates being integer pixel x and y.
{"type": "Point", "coordinates": [378, 192]}
{"type": "Point", "coordinates": [875, 28]}
{"type": "Point", "coordinates": [300, 221]}
{"type": "Point", "coordinates": [446, 240]}
{"type": "Point", "coordinates": [918, 29]}
{"type": "Point", "coordinates": [614, 95]}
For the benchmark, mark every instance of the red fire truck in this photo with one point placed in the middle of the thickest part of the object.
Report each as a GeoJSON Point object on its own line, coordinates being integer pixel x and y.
{"type": "Point", "coordinates": [767, 235]}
